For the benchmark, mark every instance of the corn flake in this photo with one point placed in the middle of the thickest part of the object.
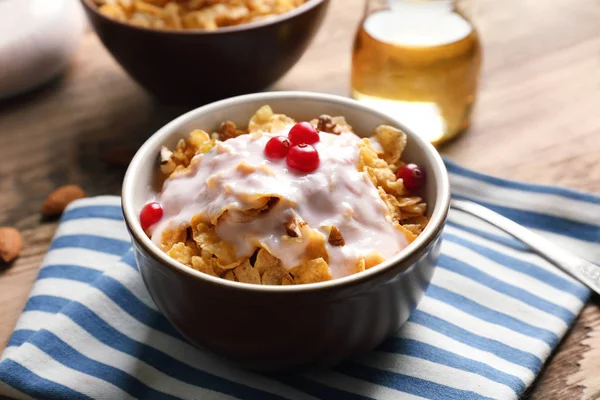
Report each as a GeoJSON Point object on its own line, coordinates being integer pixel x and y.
{"type": "Point", "coordinates": [193, 14]}
{"type": "Point", "coordinates": [170, 237]}
{"type": "Point", "coordinates": [200, 265]}
{"type": "Point", "coordinates": [275, 276]}
{"type": "Point", "coordinates": [410, 235]}
{"type": "Point", "coordinates": [267, 121]}
{"type": "Point", "coordinates": [311, 271]}
{"type": "Point", "coordinates": [183, 252]}
{"type": "Point", "coordinates": [206, 238]}
{"type": "Point", "coordinates": [393, 142]}
{"type": "Point", "coordinates": [246, 273]}
{"type": "Point", "coordinates": [316, 244]}
{"type": "Point", "coordinates": [230, 276]}
{"type": "Point", "coordinates": [360, 265]}
{"type": "Point", "coordinates": [266, 261]}
{"type": "Point", "coordinates": [372, 259]}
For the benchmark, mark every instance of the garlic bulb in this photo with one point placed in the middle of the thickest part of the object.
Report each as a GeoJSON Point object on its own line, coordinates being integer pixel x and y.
{"type": "Point", "coordinates": [37, 39]}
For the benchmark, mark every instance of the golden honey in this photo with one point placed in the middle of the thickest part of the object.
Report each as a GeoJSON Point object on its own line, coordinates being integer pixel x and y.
{"type": "Point", "coordinates": [418, 61]}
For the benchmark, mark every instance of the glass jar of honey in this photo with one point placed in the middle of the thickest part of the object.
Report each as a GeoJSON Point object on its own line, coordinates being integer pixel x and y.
{"type": "Point", "coordinates": [419, 61]}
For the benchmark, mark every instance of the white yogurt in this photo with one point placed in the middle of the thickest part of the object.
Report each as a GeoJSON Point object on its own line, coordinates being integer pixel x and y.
{"type": "Point", "coordinates": [335, 194]}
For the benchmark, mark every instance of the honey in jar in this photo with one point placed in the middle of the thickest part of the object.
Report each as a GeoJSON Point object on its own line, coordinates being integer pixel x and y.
{"type": "Point", "coordinates": [419, 61]}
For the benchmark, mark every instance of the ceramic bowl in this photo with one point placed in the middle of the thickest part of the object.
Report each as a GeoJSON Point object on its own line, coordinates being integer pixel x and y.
{"type": "Point", "coordinates": [283, 327]}
{"type": "Point", "coordinates": [194, 66]}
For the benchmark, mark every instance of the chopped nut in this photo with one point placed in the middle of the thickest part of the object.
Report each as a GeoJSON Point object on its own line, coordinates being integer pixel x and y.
{"type": "Point", "coordinates": [292, 228]}
{"type": "Point", "coordinates": [245, 168]}
{"type": "Point", "coordinates": [227, 130]}
{"type": "Point", "coordinates": [167, 165]}
{"type": "Point", "coordinates": [336, 125]}
{"type": "Point", "coordinates": [326, 124]}
{"type": "Point", "coordinates": [335, 237]}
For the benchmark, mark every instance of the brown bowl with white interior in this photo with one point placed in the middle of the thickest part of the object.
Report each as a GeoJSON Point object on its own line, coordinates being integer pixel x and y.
{"type": "Point", "coordinates": [282, 327]}
{"type": "Point", "coordinates": [197, 65]}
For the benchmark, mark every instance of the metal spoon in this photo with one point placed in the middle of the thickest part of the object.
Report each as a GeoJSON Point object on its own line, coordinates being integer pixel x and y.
{"type": "Point", "coordinates": [580, 269]}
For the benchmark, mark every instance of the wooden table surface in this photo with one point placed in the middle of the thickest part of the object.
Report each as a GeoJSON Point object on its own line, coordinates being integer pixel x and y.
{"type": "Point", "coordinates": [537, 120]}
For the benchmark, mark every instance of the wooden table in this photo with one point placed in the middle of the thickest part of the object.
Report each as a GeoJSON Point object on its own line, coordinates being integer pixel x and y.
{"type": "Point", "coordinates": [536, 120]}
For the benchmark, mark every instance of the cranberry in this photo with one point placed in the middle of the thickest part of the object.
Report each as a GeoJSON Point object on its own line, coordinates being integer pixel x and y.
{"type": "Point", "coordinates": [412, 175]}
{"type": "Point", "coordinates": [277, 147]}
{"type": "Point", "coordinates": [303, 157]}
{"type": "Point", "coordinates": [151, 214]}
{"type": "Point", "coordinates": [303, 132]}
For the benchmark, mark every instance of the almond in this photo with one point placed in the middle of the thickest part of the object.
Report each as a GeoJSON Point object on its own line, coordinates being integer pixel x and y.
{"type": "Point", "coordinates": [11, 243]}
{"type": "Point", "coordinates": [58, 200]}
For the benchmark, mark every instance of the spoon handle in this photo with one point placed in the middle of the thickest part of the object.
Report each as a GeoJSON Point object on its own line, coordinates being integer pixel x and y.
{"type": "Point", "coordinates": [580, 269]}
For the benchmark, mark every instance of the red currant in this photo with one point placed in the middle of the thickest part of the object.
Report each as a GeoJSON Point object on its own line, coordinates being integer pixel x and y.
{"type": "Point", "coordinates": [412, 175]}
{"type": "Point", "coordinates": [277, 147]}
{"type": "Point", "coordinates": [303, 132]}
{"type": "Point", "coordinates": [303, 157]}
{"type": "Point", "coordinates": [150, 214]}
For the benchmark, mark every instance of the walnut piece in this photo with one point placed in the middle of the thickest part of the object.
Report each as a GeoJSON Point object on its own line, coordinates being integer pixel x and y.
{"type": "Point", "coordinates": [292, 228]}
{"type": "Point", "coordinates": [335, 237]}
{"type": "Point", "coordinates": [227, 130]}
{"type": "Point", "coordinates": [335, 125]}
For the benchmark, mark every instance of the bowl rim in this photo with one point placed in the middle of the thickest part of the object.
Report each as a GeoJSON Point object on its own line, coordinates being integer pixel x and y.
{"type": "Point", "coordinates": [433, 228]}
{"type": "Point", "coordinates": [308, 5]}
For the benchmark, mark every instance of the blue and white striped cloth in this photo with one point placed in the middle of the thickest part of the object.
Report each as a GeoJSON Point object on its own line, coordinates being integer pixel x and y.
{"type": "Point", "coordinates": [490, 318]}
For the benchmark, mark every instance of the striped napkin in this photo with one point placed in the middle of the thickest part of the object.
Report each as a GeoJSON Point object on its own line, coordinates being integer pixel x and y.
{"type": "Point", "coordinates": [491, 317]}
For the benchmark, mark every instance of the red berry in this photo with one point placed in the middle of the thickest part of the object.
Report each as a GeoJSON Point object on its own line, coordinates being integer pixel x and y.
{"type": "Point", "coordinates": [277, 147]}
{"type": "Point", "coordinates": [303, 157]}
{"type": "Point", "coordinates": [150, 214]}
{"type": "Point", "coordinates": [412, 175]}
{"type": "Point", "coordinates": [303, 132]}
